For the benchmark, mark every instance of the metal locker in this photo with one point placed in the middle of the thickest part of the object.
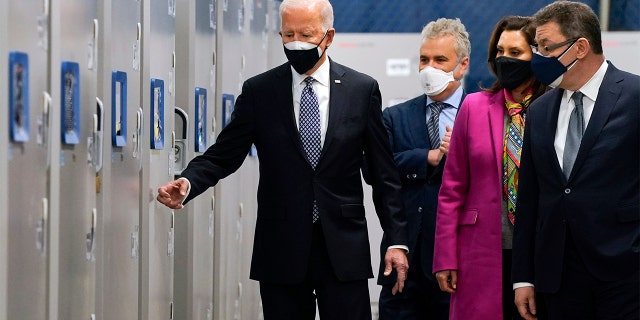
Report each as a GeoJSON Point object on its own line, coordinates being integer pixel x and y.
{"type": "Point", "coordinates": [74, 77]}
{"type": "Point", "coordinates": [244, 36]}
{"type": "Point", "coordinates": [256, 40]}
{"type": "Point", "coordinates": [196, 24]}
{"type": "Point", "coordinates": [229, 253]}
{"type": "Point", "coordinates": [158, 101]}
{"type": "Point", "coordinates": [4, 142]}
{"type": "Point", "coordinates": [120, 198]}
{"type": "Point", "coordinates": [25, 48]}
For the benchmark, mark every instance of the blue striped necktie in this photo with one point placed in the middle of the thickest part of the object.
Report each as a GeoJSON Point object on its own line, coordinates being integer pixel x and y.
{"type": "Point", "coordinates": [433, 128]}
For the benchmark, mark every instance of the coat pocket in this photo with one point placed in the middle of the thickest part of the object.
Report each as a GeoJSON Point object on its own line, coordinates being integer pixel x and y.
{"type": "Point", "coordinates": [469, 217]}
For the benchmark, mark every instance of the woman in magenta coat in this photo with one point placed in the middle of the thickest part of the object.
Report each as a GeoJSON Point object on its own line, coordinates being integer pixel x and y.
{"type": "Point", "coordinates": [474, 224]}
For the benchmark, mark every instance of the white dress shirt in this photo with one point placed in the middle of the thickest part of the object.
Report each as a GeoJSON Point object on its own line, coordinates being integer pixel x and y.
{"type": "Point", "coordinates": [321, 89]}
{"type": "Point", "coordinates": [590, 91]}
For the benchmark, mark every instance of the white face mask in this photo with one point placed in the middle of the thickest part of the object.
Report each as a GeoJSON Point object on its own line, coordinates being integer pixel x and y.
{"type": "Point", "coordinates": [433, 81]}
{"type": "Point", "coordinates": [301, 45]}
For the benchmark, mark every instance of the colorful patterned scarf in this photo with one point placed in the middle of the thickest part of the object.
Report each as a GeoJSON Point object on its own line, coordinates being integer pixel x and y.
{"type": "Point", "coordinates": [512, 151]}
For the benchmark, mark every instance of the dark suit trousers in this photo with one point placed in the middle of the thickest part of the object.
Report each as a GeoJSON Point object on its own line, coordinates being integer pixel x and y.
{"type": "Point", "coordinates": [582, 296]}
{"type": "Point", "coordinates": [420, 299]}
{"type": "Point", "coordinates": [337, 300]}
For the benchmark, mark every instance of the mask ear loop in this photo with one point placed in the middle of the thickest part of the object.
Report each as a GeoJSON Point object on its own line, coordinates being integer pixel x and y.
{"type": "Point", "coordinates": [324, 36]}
{"type": "Point", "coordinates": [318, 45]}
{"type": "Point", "coordinates": [567, 50]}
{"type": "Point", "coordinates": [454, 71]}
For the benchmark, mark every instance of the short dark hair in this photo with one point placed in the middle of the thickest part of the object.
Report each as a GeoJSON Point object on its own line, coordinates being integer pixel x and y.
{"type": "Point", "coordinates": [576, 20]}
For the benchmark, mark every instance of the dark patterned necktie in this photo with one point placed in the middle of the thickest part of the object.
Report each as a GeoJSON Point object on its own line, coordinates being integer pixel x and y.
{"type": "Point", "coordinates": [310, 128]}
{"type": "Point", "coordinates": [433, 123]}
{"type": "Point", "coordinates": [574, 134]}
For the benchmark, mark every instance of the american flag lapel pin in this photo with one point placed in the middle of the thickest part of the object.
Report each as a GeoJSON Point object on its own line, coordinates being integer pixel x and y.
{"type": "Point", "coordinates": [336, 81]}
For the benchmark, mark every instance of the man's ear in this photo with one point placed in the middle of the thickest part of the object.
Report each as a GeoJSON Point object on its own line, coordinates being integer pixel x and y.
{"type": "Point", "coordinates": [329, 38]}
{"type": "Point", "coordinates": [462, 68]}
{"type": "Point", "coordinates": [583, 46]}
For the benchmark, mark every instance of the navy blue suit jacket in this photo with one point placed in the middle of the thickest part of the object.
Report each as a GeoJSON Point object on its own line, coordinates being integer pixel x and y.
{"type": "Point", "coordinates": [598, 202]}
{"type": "Point", "coordinates": [407, 129]}
{"type": "Point", "coordinates": [288, 184]}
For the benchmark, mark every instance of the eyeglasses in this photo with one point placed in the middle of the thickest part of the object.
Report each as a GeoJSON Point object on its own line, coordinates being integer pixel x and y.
{"type": "Point", "coordinates": [546, 49]}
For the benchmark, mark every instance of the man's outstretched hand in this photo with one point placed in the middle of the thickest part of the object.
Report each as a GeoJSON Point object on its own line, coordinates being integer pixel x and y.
{"type": "Point", "coordinates": [173, 193]}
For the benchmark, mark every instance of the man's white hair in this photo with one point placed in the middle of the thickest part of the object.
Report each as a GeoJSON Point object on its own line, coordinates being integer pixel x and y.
{"type": "Point", "coordinates": [326, 10]}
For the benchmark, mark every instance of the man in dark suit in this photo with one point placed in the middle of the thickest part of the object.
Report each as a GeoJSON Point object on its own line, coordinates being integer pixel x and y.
{"type": "Point", "coordinates": [311, 120]}
{"type": "Point", "coordinates": [577, 229]}
{"type": "Point", "coordinates": [444, 59]}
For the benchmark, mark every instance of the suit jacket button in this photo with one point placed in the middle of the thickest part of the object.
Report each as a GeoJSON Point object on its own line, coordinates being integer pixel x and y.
{"type": "Point", "coordinates": [419, 209]}
{"type": "Point", "coordinates": [567, 191]}
{"type": "Point", "coordinates": [408, 176]}
{"type": "Point", "coordinates": [414, 175]}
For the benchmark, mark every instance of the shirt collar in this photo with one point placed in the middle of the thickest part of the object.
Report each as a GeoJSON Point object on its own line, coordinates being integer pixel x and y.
{"type": "Point", "coordinates": [321, 75]}
{"type": "Point", "coordinates": [453, 100]}
{"type": "Point", "coordinates": [590, 89]}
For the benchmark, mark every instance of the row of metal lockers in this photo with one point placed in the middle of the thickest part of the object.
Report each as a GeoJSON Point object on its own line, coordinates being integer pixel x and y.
{"type": "Point", "coordinates": [106, 100]}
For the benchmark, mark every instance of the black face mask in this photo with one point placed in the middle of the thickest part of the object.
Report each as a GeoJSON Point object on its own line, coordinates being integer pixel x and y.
{"type": "Point", "coordinates": [303, 60]}
{"type": "Point", "coordinates": [512, 72]}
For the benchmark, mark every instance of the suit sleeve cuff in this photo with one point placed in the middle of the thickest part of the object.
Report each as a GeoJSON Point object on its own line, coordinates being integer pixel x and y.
{"type": "Point", "coordinates": [521, 285]}
{"type": "Point", "coordinates": [405, 248]}
{"type": "Point", "coordinates": [188, 188]}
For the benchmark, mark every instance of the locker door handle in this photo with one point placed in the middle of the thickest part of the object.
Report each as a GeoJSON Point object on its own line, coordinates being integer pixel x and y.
{"type": "Point", "coordinates": [139, 125]}
{"type": "Point", "coordinates": [211, 215]}
{"type": "Point", "coordinates": [43, 26]}
{"type": "Point", "coordinates": [93, 47]}
{"type": "Point", "coordinates": [136, 48]}
{"type": "Point", "coordinates": [170, 241]}
{"type": "Point", "coordinates": [46, 128]}
{"type": "Point", "coordinates": [91, 236]}
{"type": "Point", "coordinates": [172, 75]}
{"type": "Point", "coordinates": [98, 136]}
{"type": "Point", "coordinates": [42, 227]}
{"type": "Point", "coordinates": [172, 155]}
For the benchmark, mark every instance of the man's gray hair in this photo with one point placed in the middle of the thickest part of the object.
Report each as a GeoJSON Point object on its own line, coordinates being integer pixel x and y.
{"type": "Point", "coordinates": [454, 27]}
{"type": "Point", "coordinates": [326, 10]}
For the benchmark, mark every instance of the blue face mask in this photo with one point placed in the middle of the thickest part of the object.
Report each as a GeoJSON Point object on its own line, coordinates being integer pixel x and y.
{"type": "Point", "coordinates": [549, 70]}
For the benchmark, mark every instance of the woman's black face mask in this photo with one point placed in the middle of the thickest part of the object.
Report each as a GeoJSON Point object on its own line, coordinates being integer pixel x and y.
{"type": "Point", "coordinates": [512, 72]}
